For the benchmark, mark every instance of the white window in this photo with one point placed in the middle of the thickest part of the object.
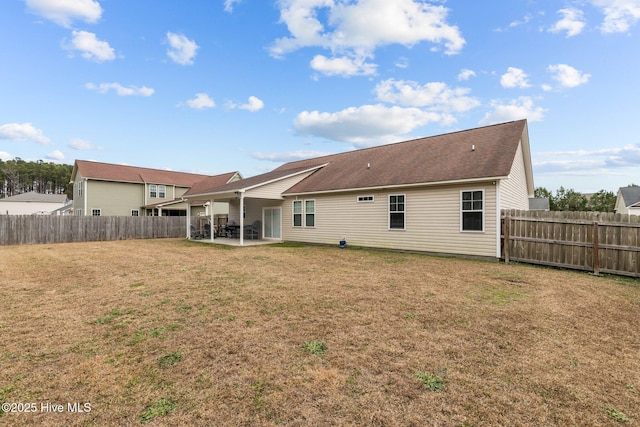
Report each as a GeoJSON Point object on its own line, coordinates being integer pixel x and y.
{"type": "Point", "coordinates": [135, 212]}
{"type": "Point", "coordinates": [396, 211]}
{"type": "Point", "coordinates": [304, 213]}
{"type": "Point", "coordinates": [96, 212]}
{"type": "Point", "coordinates": [472, 210]}
{"type": "Point", "coordinates": [80, 188]}
{"type": "Point", "coordinates": [153, 191]}
{"type": "Point", "coordinates": [162, 191]}
{"type": "Point", "coordinates": [77, 212]}
{"type": "Point", "coordinates": [365, 199]}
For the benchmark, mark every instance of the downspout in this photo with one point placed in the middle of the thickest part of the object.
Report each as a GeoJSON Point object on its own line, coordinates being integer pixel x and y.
{"type": "Point", "coordinates": [498, 223]}
{"type": "Point", "coordinates": [241, 217]}
{"type": "Point", "coordinates": [188, 218]}
{"type": "Point", "coordinates": [85, 192]}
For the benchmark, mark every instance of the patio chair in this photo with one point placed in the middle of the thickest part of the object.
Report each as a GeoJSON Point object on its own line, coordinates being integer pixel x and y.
{"type": "Point", "coordinates": [252, 231]}
{"type": "Point", "coordinates": [195, 234]}
{"type": "Point", "coordinates": [207, 231]}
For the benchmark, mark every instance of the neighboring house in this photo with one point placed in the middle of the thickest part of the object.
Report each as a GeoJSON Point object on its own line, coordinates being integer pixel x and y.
{"type": "Point", "coordinates": [628, 201]}
{"type": "Point", "coordinates": [438, 194]}
{"type": "Point", "coordinates": [119, 190]}
{"type": "Point", "coordinates": [32, 203]}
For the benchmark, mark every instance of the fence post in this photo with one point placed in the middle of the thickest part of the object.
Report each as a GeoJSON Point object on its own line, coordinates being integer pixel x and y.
{"type": "Point", "coordinates": [596, 257]}
{"type": "Point", "coordinates": [507, 218]}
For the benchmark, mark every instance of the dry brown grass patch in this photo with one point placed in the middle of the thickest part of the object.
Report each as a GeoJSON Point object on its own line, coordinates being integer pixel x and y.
{"type": "Point", "coordinates": [169, 332]}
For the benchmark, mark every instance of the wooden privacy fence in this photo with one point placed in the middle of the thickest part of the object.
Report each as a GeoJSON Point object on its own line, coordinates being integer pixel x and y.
{"type": "Point", "coordinates": [34, 229]}
{"type": "Point", "coordinates": [590, 241]}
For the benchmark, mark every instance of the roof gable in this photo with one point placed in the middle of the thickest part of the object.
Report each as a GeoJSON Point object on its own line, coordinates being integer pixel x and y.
{"type": "Point", "coordinates": [486, 152]}
{"type": "Point", "coordinates": [630, 195]}
{"type": "Point", "coordinates": [134, 174]}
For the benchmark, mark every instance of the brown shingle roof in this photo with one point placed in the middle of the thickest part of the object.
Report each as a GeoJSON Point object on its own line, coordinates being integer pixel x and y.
{"type": "Point", "coordinates": [122, 173]}
{"type": "Point", "coordinates": [441, 158]}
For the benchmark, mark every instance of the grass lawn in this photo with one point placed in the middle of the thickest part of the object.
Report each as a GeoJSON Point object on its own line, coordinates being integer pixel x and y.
{"type": "Point", "coordinates": [170, 332]}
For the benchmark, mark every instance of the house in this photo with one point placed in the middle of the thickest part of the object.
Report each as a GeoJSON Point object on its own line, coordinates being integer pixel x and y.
{"type": "Point", "coordinates": [439, 194]}
{"type": "Point", "coordinates": [32, 203]}
{"type": "Point", "coordinates": [120, 190]}
{"type": "Point", "coordinates": [628, 201]}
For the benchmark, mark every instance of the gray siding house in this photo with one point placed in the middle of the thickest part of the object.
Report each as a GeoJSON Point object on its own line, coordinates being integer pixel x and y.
{"type": "Point", "coordinates": [628, 201]}
{"type": "Point", "coordinates": [440, 194]}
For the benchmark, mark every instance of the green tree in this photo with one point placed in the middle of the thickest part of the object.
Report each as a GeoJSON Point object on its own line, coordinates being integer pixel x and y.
{"type": "Point", "coordinates": [569, 200]}
{"type": "Point", "coordinates": [543, 193]}
{"type": "Point", "coordinates": [602, 201]}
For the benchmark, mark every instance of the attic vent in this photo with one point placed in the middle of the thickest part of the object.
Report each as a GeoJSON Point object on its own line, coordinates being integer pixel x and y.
{"type": "Point", "coordinates": [473, 147]}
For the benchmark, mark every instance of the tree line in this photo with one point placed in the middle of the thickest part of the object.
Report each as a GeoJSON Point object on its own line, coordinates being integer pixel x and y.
{"type": "Point", "coordinates": [571, 200]}
{"type": "Point", "coordinates": [18, 176]}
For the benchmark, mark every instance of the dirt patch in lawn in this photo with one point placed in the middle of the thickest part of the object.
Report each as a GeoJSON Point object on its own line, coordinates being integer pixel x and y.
{"type": "Point", "coordinates": [169, 332]}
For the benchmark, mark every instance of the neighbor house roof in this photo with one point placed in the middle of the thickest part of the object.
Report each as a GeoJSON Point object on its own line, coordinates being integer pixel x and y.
{"type": "Point", "coordinates": [32, 196]}
{"type": "Point", "coordinates": [140, 175]}
{"type": "Point", "coordinates": [630, 195]}
{"type": "Point", "coordinates": [486, 152]}
{"type": "Point", "coordinates": [481, 153]}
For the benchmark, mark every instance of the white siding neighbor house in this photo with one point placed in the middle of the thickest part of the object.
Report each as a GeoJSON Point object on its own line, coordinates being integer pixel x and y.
{"type": "Point", "coordinates": [440, 194]}
{"type": "Point", "coordinates": [32, 203]}
{"type": "Point", "coordinates": [628, 201]}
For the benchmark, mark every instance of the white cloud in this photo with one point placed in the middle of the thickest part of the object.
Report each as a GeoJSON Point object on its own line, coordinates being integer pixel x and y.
{"type": "Point", "coordinates": [365, 125]}
{"type": "Point", "coordinates": [63, 12]}
{"type": "Point", "coordinates": [466, 74]}
{"type": "Point", "coordinates": [573, 161]}
{"type": "Point", "coordinates": [201, 101]}
{"type": "Point", "coordinates": [55, 155]}
{"type": "Point", "coordinates": [81, 144]}
{"type": "Point", "coordinates": [517, 109]}
{"type": "Point", "coordinates": [181, 49]}
{"type": "Point", "coordinates": [567, 76]}
{"type": "Point", "coordinates": [121, 90]}
{"type": "Point", "coordinates": [572, 22]}
{"type": "Point", "coordinates": [514, 78]}
{"type": "Point", "coordinates": [356, 29]}
{"type": "Point", "coordinates": [90, 47]}
{"type": "Point", "coordinates": [289, 156]}
{"type": "Point", "coordinates": [619, 15]}
{"type": "Point", "coordinates": [228, 5]}
{"type": "Point", "coordinates": [4, 156]}
{"type": "Point", "coordinates": [254, 104]}
{"type": "Point", "coordinates": [436, 96]}
{"type": "Point", "coordinates": [23, 132]}
{"type": "Point", "coordinates": [342, 66]}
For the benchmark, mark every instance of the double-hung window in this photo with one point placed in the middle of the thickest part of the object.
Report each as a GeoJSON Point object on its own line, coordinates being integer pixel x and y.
{"type": "Point", "coordinates": [80, 188]}
{"type": "Point", "coordinates": [396, 212]}
{"type": "Point", "coordinates": [304, 213]}
{"type": "Point", "coordinates": [153, 191]}
{"type": "Point", "coordinates": [472, 210]}
{"type": "Point", "coordinates": [162, 191]}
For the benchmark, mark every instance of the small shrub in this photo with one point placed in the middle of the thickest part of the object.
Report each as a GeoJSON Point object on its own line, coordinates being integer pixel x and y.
{"type": "Point", "coordinates": [314, 347]}
{"type": "Point", "coordinates": [156, 409]}
{"type": "Point", "coordinates": [431, 381]}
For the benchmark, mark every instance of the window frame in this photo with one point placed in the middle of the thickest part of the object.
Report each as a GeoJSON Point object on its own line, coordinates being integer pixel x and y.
{"type": "Point", "coordinates": [303, 213]}
{"type": "Point", "coordinates": [472, 210]}
{"type": "Point", "coordinates": [390, 212]}
{"type": "Point", "coordinates": [81, 189]}
{"type": "Point", "coordinates": [369, 198]}
{"type": "Point", "coordinates": [153, 191]}
{"type": "Point", "coordinates": [135, 212]}
{"type": "Point", "coordinates": [162, 191]}
{"type": "Point", "coordinates": [96, 212]}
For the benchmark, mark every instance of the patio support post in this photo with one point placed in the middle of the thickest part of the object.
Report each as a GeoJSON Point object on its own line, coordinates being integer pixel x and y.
{"type": "Point", "coordinates": [188, 220]}
{"type": "Point", "coordinates": [241, 217]}
{"type": "Point", "coordinates": [211, 218]}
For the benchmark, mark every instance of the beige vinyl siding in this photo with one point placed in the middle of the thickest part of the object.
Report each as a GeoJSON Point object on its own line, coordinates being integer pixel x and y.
{"type": "Point", "coordinates": [114, 198]}
{"type": "Point", "coordinates": [620, 206]}
{"type": "Point", "coordinates": [275, 189]}
{"type": "Point", "coordinates": [432, 220]}
{"type": "Point", "coordinates": [513, 190]}
{"type": "Point", "coordinates": [78, 201]}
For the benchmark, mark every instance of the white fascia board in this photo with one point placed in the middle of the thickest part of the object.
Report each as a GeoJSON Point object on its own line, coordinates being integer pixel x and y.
{"type": "Point", "coordinates": [419, 184]}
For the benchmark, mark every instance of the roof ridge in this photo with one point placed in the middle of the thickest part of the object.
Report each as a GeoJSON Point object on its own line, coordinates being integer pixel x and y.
{"type": "Point", "coordinates": [146, 168]}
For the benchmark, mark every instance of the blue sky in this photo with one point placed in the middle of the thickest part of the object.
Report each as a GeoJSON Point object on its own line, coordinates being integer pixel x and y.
{"type": "Point", "coordinates": [221, 85]}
